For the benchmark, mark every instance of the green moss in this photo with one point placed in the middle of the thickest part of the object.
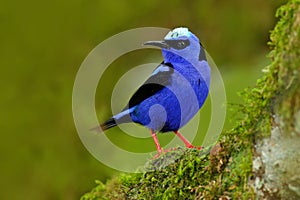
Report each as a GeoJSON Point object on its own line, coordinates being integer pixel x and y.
{"type": "Point", "coordinates": [224, 170]}
{"type": "Point", "coordinates": [286, 54]}
{"type": "Point", "coordinates": [221, 171]}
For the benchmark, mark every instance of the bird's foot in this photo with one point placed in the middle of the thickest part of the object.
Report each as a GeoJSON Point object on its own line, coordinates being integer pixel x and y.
{"type": "Point", "coordinates": [195, 147]}
{"type": "Point", "coordinates": [163, 151]}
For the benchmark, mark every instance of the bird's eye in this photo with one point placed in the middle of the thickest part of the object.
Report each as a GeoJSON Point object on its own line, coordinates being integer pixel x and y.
{"type": "Point", "coordinates": [178, 44]}
{"type": "Point", "coordinates": [181, 44]}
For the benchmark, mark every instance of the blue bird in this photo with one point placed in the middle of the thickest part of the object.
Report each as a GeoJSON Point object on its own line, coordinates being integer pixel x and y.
{"type": "Point", "coordinates": [175, 91]}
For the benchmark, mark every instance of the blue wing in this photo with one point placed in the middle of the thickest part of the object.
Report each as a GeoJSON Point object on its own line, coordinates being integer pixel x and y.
{"type": "Point", "coordinates": [160, 77]}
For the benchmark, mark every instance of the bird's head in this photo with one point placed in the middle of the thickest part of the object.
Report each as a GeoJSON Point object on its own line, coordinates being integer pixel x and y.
{"type": "Point", "coordinates": [180, 42]}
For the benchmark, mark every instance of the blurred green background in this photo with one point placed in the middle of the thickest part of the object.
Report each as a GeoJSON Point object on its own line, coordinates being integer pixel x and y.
{"type": "Point", "coordinates": [42, 45]}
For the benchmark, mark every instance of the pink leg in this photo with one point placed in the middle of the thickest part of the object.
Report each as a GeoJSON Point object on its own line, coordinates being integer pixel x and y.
{"type": "Point", "coordinates": [186, 142]}
{"type": "Point", "coordinates": [158, 147]}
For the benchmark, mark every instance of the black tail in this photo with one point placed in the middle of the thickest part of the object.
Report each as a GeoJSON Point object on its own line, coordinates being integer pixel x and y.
{"type": "Point", "coordinates": [122, 117]}
{"type": "Point", "coordinates": [106, 125]}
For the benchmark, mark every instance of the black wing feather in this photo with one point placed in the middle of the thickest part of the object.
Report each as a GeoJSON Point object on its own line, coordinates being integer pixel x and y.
{"type": "Point", "coordinates": [152, 85]}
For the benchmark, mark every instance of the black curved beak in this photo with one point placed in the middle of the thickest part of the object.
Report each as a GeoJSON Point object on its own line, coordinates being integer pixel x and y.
{"type": "Point", "coordinates": [160, 44]}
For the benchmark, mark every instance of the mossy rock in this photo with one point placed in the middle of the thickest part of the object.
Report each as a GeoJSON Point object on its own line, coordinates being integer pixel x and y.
{"type": "Point", "coordinates": [257, 159]}
{"type": "Point", "coordinates": [277, 157]}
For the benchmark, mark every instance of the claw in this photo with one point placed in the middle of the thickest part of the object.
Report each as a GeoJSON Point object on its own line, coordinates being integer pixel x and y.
{"type": "Point", "coordinates": [194, 147]}
{"type": "Point", "coordinates": [164, 151]}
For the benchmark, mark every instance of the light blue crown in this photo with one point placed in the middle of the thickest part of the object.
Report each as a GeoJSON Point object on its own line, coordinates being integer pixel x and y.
{"type": "Point", "coordinates": [178, 32]}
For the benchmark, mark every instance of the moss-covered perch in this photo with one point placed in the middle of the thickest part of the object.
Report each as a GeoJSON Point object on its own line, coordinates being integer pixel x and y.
{"type": "Point", "coordinates": [258, 158]}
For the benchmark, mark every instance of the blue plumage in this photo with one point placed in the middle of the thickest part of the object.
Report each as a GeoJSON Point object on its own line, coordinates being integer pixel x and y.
{"type": "Point", "coordinates": [174, 92]}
